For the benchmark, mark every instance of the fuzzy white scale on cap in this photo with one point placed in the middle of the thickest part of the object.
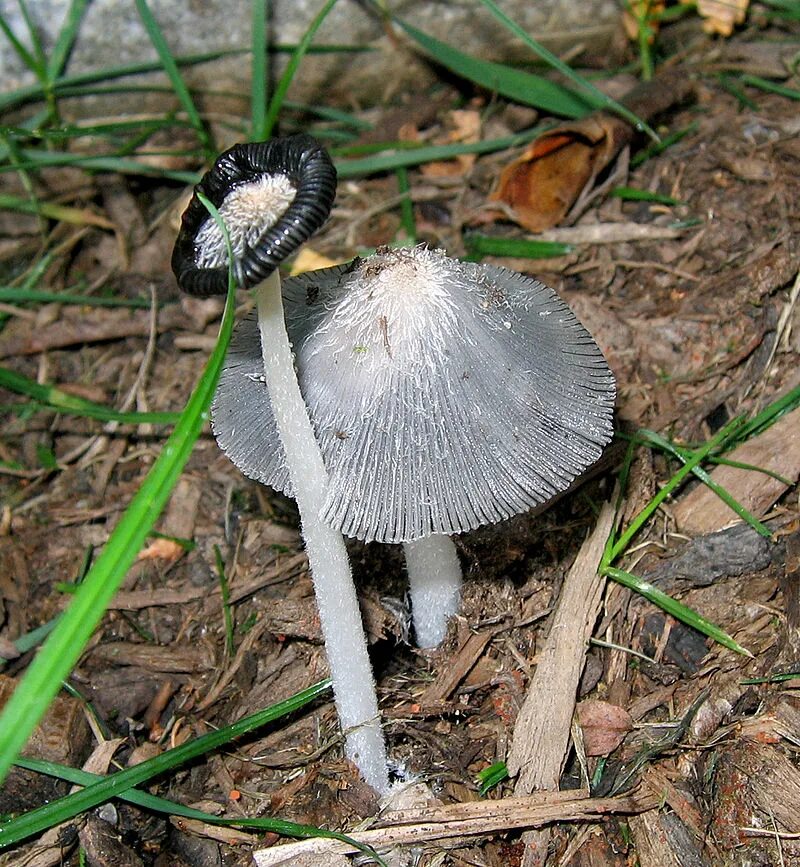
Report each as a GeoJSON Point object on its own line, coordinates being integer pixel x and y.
{"type": "Point", "coordinates": [444, 395]}
{"type": "Point", "coordinates": [247, 211]}
{"type": "Point", "coordinates": [394, 318]}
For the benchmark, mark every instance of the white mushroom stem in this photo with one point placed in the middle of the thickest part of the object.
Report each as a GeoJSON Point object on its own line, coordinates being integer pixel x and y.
{"type": "Point", "coordinates": [343, 631]}
{"type": "Point", "coordinates": [434, 577]}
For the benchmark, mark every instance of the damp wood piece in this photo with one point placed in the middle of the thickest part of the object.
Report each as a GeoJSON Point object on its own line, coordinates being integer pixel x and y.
{"type": "Point", "coordinates": [777, 449]}
{"type": "Point", "coordinates": [93, 326]}
{"type": "Point", "coordinates": [541, 734]}
{"type": "Point", "coordinates": [171, 659]}
{"type": "Point", "coordinates": [755, 785]}
{"type": "Point", "coordinates": [102, 844]}
{"type": "Point", "coordinates": [456, 669]}
{"type": "Point", "coordinates": [662, 840]}
{"type": "Point", "coordinates": [434, 824]}
{"type": "Point", "coordinates": [62, 736]}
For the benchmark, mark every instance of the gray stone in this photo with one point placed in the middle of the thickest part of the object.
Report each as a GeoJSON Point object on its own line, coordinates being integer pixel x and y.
{"type": "Point", "coordinates": [112, 34]}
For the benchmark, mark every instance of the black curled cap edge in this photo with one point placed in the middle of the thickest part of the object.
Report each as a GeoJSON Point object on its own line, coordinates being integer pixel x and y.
{"type": "Point", "coordinates": [309, 168]}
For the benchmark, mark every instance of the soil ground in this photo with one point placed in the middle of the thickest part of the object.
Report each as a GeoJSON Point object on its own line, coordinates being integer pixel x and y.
{"type": "Point", "coordinates": [699, 324]}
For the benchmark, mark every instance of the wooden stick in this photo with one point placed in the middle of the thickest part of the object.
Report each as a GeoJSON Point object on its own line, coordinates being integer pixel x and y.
{"type": "Point", "coordinates": [404, 827]}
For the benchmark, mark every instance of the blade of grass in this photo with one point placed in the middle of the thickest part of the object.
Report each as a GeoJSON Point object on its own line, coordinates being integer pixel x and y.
{"type": "Point", "coordinates": [36, 42]}
{"type": "Point", "coordinates": [258, 71]}
{"type": "Point", "coordinates": [478, 246]}
{"type": "Point", "coordinates": [66, 39]}
{"type": "Point", "coordinates": [659, 147]}
{"type": "Point", "coordinates": [427, 153]}
{"type": "Point", "coordinates": [282, 88]}
{"type": "Point", "coordinates": [20, 50]}
{"type": "Point", "coordinates": [62, 809]}
{"type": "Point", "coordinates": [173, 73]}
{"type": "Point", "coordinates": [727, 83]}
{"type": "Point", "coordinates": [596, 97]}
{"type": "Point", "coordinates": [32, 639]}
{"type": "Point", "coordinates": [770, 86]}
{"type": "Point", "coordinates": [69, 404]}
{"type": "Point", "coordinates": [490, 777]}
{"type": "Point", "coordinates": [700, 455]}
{"type": "Point", "coordinates": [19, 295]}
{"type": "Point", "coordinates": [727, 462]}
{"type": "Point", "coordinates": [34, 92]}
{"type": "Point", "coordinates": [677, 609]}
{"type": "Point", "coordinates": [684, 455]}
{"type": "Point", "coordinates": [631, 194]}
{"type": "Point", "coordinates": [171, 808]}
{"type": "Point", "coordinates": [330, 113]}
{"type": "Point", "coordinates": [35, 159]}
{"type": "Point", "coordinates": [769, 415]}
{"type": "Point", "coordinates": [516, 84]}
{"type": "Point", "coordinates": [62, 213]}
{"type": "Point", "coordinates": [63, 647]}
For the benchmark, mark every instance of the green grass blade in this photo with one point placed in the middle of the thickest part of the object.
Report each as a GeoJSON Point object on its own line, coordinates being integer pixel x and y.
{"type": "Point", "coordinates": [490, 777]}
{"type": "Point", "coordinates": [632, 194]}
{"type": "Point", "coordinates": [21, 51]}
{"type": "Point", "coordinates": [683, 455]}
{"type": "Point", "coordinates": [770, 86]}
{"type": "Point", "coordinates": [770, 414]}
{"type": "Point", "coordinates": [66, 39]}
{"type": "Point", "coordinates": [516, 84]}
{"type": "Point", "coordinates": [656, 148]}
{"type": "Point", "coordinates": [171, 808]}
{"type": "Point", "coordinates": [415, 156]}
{"type": "Point", "coordinates": [478, 246]}
{"type": "Point", "coordinates": [65, 808]}
{"type": "Point", "coordinates": [20, 295]}
{"type": "Point", "coordinates": [276, 103]}
{"type": "Point", "coordinates": [727, 83]}
{"type": "Point", "coordinates": [258, 71]}
{"type": "Point", "coordinates": [69, 404]}
{"type": "Point", "coordinates": [596, 97]}
{"type": "Point", "coordinates": [32, 639]}
{"type": "Point", "coordinates": [677, 609]}
{"type": "Point", "coordinates": [34, 92]}
{"type": "Point", "coordinates": [36, 42]}
{"type": "Point", "coordinates": [40, 159]}
{"type": "Point", "coordinates": [173, 73]}
{"type": "Point", "coordinates": [53, 211]}
{"type": "Point", "coordinates": [697, 457]}
{"type": "Point", "coordinates": [63, 647]}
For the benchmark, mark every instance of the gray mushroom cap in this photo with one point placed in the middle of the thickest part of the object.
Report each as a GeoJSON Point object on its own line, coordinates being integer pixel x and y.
{"type": "Point", "coordinates": [444, 395]}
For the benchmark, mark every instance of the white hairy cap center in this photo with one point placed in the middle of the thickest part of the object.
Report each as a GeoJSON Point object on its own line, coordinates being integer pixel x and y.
{"type": "Point", "coordinates": [247, 211]}
{"type": "Point", "coordinates": [397, 311]}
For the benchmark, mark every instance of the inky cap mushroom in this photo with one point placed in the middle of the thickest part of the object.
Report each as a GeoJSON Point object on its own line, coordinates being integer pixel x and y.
{"type": "Point", "coordinates": [272, 196]}
{"type": "Point", "coordinates": [444, 395]}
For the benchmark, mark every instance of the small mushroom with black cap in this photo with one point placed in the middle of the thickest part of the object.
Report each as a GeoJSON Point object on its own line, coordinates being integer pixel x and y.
{"type": "Point", "coordinates": [444, 395]}
{"type": "Point", "coordinates": [272, 196]}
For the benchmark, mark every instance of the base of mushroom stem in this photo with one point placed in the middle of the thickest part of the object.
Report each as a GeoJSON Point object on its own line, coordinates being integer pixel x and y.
{"type": "Point", "coordinates": [434, 577]}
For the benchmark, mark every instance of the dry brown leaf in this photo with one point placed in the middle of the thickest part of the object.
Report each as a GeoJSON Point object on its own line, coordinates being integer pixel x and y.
{"type": "Point", "coordinates": [721, 16]}
{"type": "Point", "coordinates": [162, 549]}
{"type": "Point", "coordinates": [309, 260]}
{"type": "Point", "coordinates": [604, 726]}
{"type": "Point", "coordinates": [464, 127]}
{"type": "Point", "coordinates": [542, 184]}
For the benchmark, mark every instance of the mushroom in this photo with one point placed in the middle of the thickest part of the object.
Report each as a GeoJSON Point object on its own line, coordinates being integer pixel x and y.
{"type": "Point", "coordinates": [444, 395]}
{"type": "Point", "coordinates": [272, 196]}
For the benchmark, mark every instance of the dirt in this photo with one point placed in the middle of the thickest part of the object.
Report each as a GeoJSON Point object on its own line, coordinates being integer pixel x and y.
{"type": "Point", "coordinates": [699, 325]}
